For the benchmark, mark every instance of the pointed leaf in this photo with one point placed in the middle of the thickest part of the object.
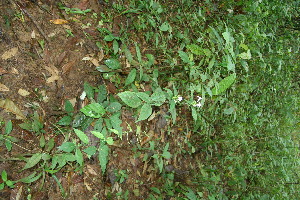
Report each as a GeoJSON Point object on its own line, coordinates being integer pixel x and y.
{"type": "Point", "coordinates": [224, 85]}
{"type": "Point", "coordinates": [130, 98]}
{"type": "Point", "coordinates": [82, 136]}
{"type": "Point", "coordinates": [35, 159]}
{"type": "Point", "coordinates": [103, 156]}
{"type": "Point", "coordinates": [146, 111]}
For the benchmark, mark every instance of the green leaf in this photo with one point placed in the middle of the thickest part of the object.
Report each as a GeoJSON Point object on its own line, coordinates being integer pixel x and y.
{"type": "Point", "coordinates": [155, 189]}
{"type": "Point", "coordinates": [113, 63]}
{"type": "Point", "coordinates": [109, 141]}
{"type": "Point", "coordinates": [82, 136]}
{"type": "Point", "coordinates": [98, 134]}
{"type": "Point", "coordinates": [144, 96]}
{"type": "Point", "coordinates": [102, 94]}
{"type": "Point", "coordinates": [195, 49]}
{"type": "Point", "coordinates": [2, 186]}
{"type": "Point", "coordinates": [42, 141]}
{"type": "Point", "coordinates": [103, 156]}
{"type": "Point", "coordinates": [89, 90]}
{"type": "Point", "coordinates": [191, 195]}
{"type": "Point", "coordinates": [194, 113]}
{"type": "Point", "coordinates": [31, 178]}
{"type": "Point", "coordinates": [138, 53]}
{"type": "Point", "coordinates": [165, 27]}
{"type": "Point", "coordinates": [146, 111]}
{"type": "Point", "coordinates": [114, 107]}
{"type": "Point", "coordinates": [65, 121]}
{"type": "Point", "coordinates": [224, 84]}
{"type": "Point", "coordinates": [8, 127]}
{"type": "Point", "coordinates": [69, 107]}
{"type": "Point", "coordinates": [158, 97]}
{"type": "Point", "coordinates": [35, 159]}
{"type": "Point", "coordinates": [8, 145]}
{"type": "Point", "coordinates": [109, 38]}
{"type": "Point", "coordinates": [50, 145]}
{"type": "Point", "coordinates": [128, 54]}
{"type": "Point", "coordinates": [228, 111]}
{"type": "Point", "coordinates": [10, 183]}
{"type": "Point", "coordinates": [131, 77]}
{"type": "Point", "coordinates": [26, 126]}
{"type": "Point", "coordinates": [245, 55]}
{"type": "Point", "coordinates": [67, 147]}
{"type": "Point", "coordinates": [90, 151]}
{"type": "Point", "coordinates": [4, 176]}
{"type": "Point", "coordinates": [94, 110]}
{"type": "Point", "coordinates": [79, 156]}
{"type": "Point", "coordinates": [115, 46]}
{"type": "Point", "coordinates": [130, 99]}
{"type": "Point", "coordinates": [184, 57]}
{"type": "Point", "coordinates": [116, 123]}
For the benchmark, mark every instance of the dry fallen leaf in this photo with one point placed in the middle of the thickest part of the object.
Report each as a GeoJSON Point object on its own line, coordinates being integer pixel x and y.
{"type": "Point", "coordinates": [2, 71]}
{"type": "Point", "coordinates": [59, 21]}
{"type": "Point", "coordinates": [67, 67]}
{"type": "Point", "coordinates": [54, 74]}
{"type": "Point", "coordinates": [10, 53]}
{"type": "Point", "coordinates": [23, 92]}
{"type": "Point", "coordinates": [3, 88]}
{"type": "Point", "coordinates": [10, 106]}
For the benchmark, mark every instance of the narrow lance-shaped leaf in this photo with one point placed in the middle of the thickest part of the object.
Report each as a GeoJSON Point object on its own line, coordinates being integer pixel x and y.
{"type": "Point", "coordinates": [35, 159]}
{"type": "Point", "coordinates": [103, 156]}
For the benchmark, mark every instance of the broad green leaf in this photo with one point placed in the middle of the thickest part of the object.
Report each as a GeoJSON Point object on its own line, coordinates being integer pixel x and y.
{"type": "Point", "coordinates": [109, 38]}
{"type": "Point", "coordinates": [42, 141]}
{"type": "Point", "coordinates": [94, 110]}
{"type": "Point", "coordinates": [90, 151]}
{"type": "Point", "coordinates": [190, 194]}
{"type": "Point", "coordinates": [79, 156]}
{"type": "Point", "coordinates": [82, 136]}
{"type": "Point", "coordinates": [109, 141]}
{"type": "Point", "coordinates": [8, 145]}
{"type": "Point", "coordinates": [69, 107]}
{"type": "Point", "coordinates": [228, 111]}
{"type": "Point", "coordinates": [230, 63]}
{"type": "Point", "coordinates": [211, 62]}
{"type": "Point", "coordinates": [184, 57]}
{"type": "Point", "coordinates": [114, 107]}
{"type": "Point", "coordinates": [49, 145]}
{"type": "Point", "coordinates": [128, 54]}
{"type": "Point", "coordinates": [89, 90]}
{"type": "Point", "coordinates": [2, 186]}
{"type": "Point", "coordinates": [195, 49]}
{"type": "Point", "coordinates": [102, 94]}
{"type": "Point", "coordinates": [116, 123]}
{"type": "Point", "coordinates": [146, 111]}
{"type": "Point", "coordinates": [26, 126]}
{"type": "Point", "coordinates": [113, 63]}
{"type": "Point", "coordinates": [130, 99]}
{"type": "Point", "coordinates": [165, 27]}
{"type": "Point", "coordinates": [8, 127]}
{"type": "Point", "coordinates": [67, 147]}
{"type": "Point", "coordinates": [98, 134]}
{"type": "Point", "coordinates": [131, 77]}
{"type": "Point", "coordinates": [245, 55]}
{"type": "Point", "coordinates": [65, 121]}
{"type": "Point", "coordinates": [103, 156]}
{"type": "Point", "coordinates": [35, 159]}
{"type": "Point", "coordinates": [158, 97]}
{"type": "Point", "coordinates": [224, 84]}
{"type": "Point", "coordinates": [155, 189]}
{"type": "Point", "coordinates": [144, 96]}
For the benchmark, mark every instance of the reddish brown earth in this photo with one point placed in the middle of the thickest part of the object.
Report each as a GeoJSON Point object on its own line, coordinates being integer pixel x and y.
{"type": "Point", "coordinates": [41, 67]}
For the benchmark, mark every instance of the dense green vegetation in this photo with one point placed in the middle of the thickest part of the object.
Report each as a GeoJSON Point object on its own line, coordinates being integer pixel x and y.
{"type": "Point", "coordinates": [228, 75]}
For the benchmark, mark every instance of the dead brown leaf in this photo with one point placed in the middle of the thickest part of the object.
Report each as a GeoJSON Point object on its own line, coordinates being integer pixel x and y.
{"type": "Point", "coordinates": [67, 67]}
{"type": "Point", "coordinates": [3, 88]}
{"type": "Point", "coordinates": [59, 21]}
{"type": "Point", "coordinates": [2, 71]}
{"type": "Point", "coordinates": [10, 53]}
{"type": "Point", "coordinates": [54, 74]}
{"type": "Point", "coordinates": [10, 106]}
{"type": "Point", "coordinates": [82, 5]}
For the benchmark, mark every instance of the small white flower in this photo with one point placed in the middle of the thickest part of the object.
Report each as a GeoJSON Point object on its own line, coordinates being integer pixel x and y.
{"type": "Point", "coordinates": [178, 99]}
{"type": "Point", "coordinates": [198, 105]}
{"type": "Point", "coordinates": [198, 98]}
